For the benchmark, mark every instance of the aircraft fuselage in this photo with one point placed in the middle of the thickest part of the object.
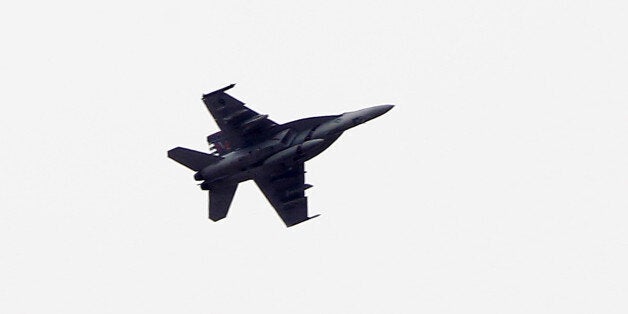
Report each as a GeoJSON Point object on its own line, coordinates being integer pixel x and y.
{"type": "Point", "coordinates": [249, 146]}
{"type": "Point", "coordinates": [285, 147]}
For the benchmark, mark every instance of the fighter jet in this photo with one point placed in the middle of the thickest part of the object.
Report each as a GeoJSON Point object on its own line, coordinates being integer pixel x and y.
{"type": "Point", "coordinates": [249, 146]}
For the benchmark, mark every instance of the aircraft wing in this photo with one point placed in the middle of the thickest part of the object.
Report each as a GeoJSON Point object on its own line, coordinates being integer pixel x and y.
{"type": "Point", "coordinates": [284, 188]}
{"type": "Point", "coordinates": [235, 120]}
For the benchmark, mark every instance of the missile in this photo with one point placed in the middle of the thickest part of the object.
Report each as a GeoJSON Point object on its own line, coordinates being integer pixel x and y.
{"type": "Point", "coordinates": [235, 115]}
{"type": "Point", "coordinates": [252, 122]}
{"type": "Point", "coordinates": [296, 191]}
{"type": "Point", "coordinates": [294, 202]}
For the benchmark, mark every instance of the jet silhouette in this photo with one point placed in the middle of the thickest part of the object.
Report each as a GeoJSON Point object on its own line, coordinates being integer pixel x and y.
{"type": "Point", "coordinates": [249, 146]}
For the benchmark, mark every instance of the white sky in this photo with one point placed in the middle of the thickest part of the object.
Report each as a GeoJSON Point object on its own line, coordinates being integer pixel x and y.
{"type": "Point", "coordinates": [496, 185]}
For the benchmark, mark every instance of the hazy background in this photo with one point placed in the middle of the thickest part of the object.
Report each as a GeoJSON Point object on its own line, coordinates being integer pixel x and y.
{"type": "Point", "coordinates": [496, 185]}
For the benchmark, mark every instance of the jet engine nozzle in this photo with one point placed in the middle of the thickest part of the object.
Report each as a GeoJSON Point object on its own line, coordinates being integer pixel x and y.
{"type": "Point", "coordinates": [205, 186]}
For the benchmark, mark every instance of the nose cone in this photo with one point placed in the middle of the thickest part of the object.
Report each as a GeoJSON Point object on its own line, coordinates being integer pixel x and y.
{"type": "Point", "coordinates": [380, 110]}
{"type": "Point", "coordinates": [372, 112]}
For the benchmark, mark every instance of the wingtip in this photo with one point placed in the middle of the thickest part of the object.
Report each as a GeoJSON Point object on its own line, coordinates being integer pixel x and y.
{"type": "Point", "coordinates": [304, 220]}
{"type": "Point", "coordinates": [170, 152]}
{"type": "Point", "coordinates": [220, 90]}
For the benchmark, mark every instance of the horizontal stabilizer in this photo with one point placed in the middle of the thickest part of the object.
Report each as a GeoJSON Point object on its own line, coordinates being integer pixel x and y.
{"type": "Point", "coordinates": [192, 159]}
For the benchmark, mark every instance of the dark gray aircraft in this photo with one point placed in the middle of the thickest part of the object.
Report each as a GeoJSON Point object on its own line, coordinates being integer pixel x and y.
{"type": "Point", "coordinates": [251, 146]}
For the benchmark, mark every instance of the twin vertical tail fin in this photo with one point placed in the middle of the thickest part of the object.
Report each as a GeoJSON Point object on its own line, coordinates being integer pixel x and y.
{"type": "Point", "coordinates": [192, 159]}
{"type": "Point", "coordinates": [219, 143]}
{"type": "Point", "coordinates": [220, 198]}
{"type": "Point", "coordinates": [220, 195]}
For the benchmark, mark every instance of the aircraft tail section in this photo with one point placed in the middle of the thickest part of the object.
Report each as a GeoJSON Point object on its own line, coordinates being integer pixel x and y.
{"type": "Point", "coordinates": [220, 198]}
{"type": "Point", "coordinates": [191, 158]}
{"type": "Point", "coordinates": [219, 143]}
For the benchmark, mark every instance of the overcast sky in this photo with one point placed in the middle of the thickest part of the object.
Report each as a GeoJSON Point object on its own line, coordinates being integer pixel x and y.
{"type": "Point", "coordinates": [497, 184]}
